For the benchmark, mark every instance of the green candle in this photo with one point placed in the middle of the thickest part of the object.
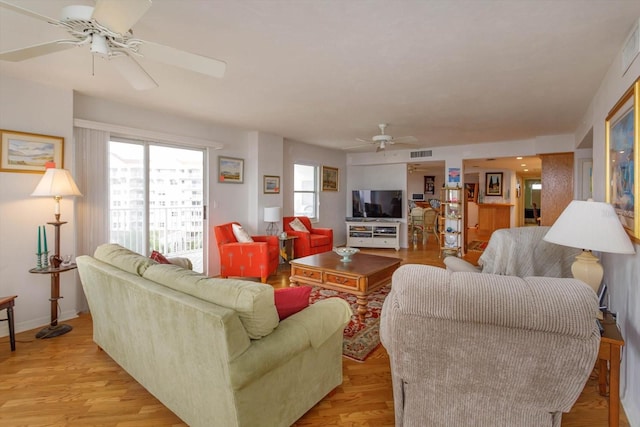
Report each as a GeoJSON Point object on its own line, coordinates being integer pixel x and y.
{"type": "Point", "coordinates": [39, 244]}
{"type": "Point", "coordinates": [44, 235]}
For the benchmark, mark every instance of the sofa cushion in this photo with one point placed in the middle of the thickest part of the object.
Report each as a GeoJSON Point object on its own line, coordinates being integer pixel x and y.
{"type": "Point", "coordinates": [254, 302]}
{"type": "Point", "coordinates": [123, 258]}
{"type": "Point", "coordinates": [297, 225]}
{"type": "Point", "coordinates": [241, 234]}
{"type": "Point", "coordinates": [291, 300]}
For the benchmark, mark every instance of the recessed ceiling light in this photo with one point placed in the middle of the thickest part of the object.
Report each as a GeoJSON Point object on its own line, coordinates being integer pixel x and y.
{"type": "Point", "coordinates": [526, 170]}
{"type": "Point", "coordinates": [519, 157]}
{"type": "Point", "coordinates": [523, 164]}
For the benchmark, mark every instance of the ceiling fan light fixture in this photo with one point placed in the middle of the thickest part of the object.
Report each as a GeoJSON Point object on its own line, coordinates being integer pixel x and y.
{"type": "Point", "coordinates": [99, 45]}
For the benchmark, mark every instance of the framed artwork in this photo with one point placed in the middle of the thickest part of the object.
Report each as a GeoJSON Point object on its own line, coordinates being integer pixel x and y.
{"type": "Point", "coordinates": [29, 152]}
{"type": "Point", "coordinates": [454, 174]}
{"type": "Point", "coordinates": [621, 152]}
{"type": "Point", "coordinates": [472, 191]}
{"type": "Point", "coordinates": [330, 178]}
{"type": "Point", "coordinates": [429, 185]}
{"type": "Point", "coordinates": [493, 184]}
{"type": "Point", "coordinates": [271, 184]}
{"type": "Point", "coordinates": [230, 170]}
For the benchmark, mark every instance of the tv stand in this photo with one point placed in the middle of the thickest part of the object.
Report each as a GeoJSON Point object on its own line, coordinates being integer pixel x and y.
{"type": "Point", "coordinates": [373, 234]}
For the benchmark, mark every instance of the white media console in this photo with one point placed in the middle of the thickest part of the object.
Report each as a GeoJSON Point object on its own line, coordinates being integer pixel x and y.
{"type": "Point", "coordinates": [373, 234]}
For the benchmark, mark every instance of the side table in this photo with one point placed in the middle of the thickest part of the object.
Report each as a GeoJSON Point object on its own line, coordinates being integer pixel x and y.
{"type": "Point", "coordinates": [286, 248]}
{"type": "Point", "coordinates": [7, 303]}
{"type": "Point", "coordinates": [611, 343]}
{"type": "Point", "coordinates": [54, 330]}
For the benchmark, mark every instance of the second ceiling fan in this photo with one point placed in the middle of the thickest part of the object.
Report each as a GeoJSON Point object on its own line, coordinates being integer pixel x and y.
{"type": "Point", "coordinates": [382, 140]}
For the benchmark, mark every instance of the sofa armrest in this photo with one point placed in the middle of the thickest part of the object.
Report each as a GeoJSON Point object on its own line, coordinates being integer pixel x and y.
{"type": "Point", "coordinates": [458, 264]}
{"type": "Point", "coordinates": [183, 262]}
{"type": "Point", "coordinates": [311, 327]}
{"type": "Point", "coordinates": [324, 231]}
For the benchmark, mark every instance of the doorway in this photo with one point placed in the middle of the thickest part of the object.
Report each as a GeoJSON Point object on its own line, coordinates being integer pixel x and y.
{"type": "Point", "coordinates": [532, 199]}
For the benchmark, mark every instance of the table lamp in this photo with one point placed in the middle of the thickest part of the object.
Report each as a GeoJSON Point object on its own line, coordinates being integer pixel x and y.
{"type": "Point", "coordinates": [272, 216]}
{"type": "Point", "coordinates": [590, 226]}
{"type": "Point", "coordinates": [56, 183]}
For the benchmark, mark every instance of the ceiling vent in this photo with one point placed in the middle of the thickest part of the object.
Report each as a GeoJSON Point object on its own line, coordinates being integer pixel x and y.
{"type": "Point", "coordinates": [424, 153]}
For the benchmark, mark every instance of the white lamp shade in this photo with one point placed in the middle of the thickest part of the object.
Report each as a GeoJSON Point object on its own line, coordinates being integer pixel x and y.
{"type": "Point", "coordinates": [272, 214]}
{"type": "Point", "coordinates": [590, 226]}
{"type": "Point", "coordinates": [56, 183]}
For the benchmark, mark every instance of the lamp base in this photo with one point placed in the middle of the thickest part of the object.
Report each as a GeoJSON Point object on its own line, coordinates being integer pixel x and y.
{"type": "Point", "coordinates": [587, 268]}
{"type": "Point", "coordinates": [272, 229]}
{"type": "Point", "coordinates": [54, 331]}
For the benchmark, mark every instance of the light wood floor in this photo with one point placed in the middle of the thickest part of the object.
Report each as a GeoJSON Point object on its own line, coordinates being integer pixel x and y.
{"type": "Point", "coordinates": [68, 381]}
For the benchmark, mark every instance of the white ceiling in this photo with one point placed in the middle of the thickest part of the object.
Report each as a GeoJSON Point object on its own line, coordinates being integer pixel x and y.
{"type": "Point", "coordinates": [327, 72]}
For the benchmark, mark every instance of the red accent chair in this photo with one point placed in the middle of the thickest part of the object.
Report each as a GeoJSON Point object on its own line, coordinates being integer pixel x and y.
{"type": "Point", "coordinates": [259, 258]}
{"type": "Point", "coordinates": [316, 241]}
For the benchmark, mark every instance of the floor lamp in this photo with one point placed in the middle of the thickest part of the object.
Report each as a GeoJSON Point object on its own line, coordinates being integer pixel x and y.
{"type": "Point", "coordinates": [56, 183]}
{"type": "Point", "coordinates": [590, 226]}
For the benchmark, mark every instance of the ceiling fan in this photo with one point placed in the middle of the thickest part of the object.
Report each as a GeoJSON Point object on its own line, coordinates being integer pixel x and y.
{"type": "Point", "coordinates": [383, 140]}
{"type": "Point", "coordinates": [106, 29]}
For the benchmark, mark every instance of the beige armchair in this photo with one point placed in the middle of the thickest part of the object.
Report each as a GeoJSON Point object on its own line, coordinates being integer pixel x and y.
{"type": "Point", "coordinates": [521, 252]}
{"type": "Point", "coordinates": [474, 349]}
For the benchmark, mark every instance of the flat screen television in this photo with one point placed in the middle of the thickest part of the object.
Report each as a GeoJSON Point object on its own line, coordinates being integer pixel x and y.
{"type": "Point", "coordinates": [377, 204]}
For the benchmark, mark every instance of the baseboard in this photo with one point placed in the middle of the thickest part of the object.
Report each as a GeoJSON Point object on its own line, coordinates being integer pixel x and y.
{"type": "Point", "coordinates": [35, 323]}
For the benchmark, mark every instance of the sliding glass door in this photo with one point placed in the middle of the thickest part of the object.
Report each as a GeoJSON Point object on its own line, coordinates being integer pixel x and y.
{"type": "Point", "coordinates": [156, 199]}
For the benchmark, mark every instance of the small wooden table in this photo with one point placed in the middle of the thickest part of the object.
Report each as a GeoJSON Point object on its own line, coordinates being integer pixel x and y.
{"type": "Point", "coordinates": [362, 276]}
{"type": "Point", "coordinates": [286, 248]}
{"type": "Point", "coordinates": [7, 303]}
{"type": "Point", "coordinates": [611, 344]}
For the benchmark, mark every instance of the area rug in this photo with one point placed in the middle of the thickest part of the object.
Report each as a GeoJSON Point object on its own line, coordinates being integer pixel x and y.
{"type": "Point", "coordinates": [477, 246]}
{"type": "Point", "coordinates": [360, 338]}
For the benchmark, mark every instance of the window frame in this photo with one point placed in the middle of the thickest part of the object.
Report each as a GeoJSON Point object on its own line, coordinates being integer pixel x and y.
{"type": "Point", "coordinates": [316, 191]}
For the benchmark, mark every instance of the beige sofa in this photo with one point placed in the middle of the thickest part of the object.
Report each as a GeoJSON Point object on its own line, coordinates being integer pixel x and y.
{"type": "Point", "coordinates": [477, 349]}
{"type": "Point", "coordinates": [212, 350]}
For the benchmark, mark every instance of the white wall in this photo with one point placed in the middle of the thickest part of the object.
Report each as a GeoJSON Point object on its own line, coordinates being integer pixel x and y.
{"type": "Point", "coordinates": [34, 108]}
{"type": "Point", "coordinates": [621, 271]}
{"type": "Point", "coordinates": [332, 203]}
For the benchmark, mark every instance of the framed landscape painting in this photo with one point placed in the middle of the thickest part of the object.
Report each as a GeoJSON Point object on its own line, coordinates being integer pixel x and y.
{"type": "Point", "coordinates": [493, 184]}
{"type": "Point", "coordinates": [330, 178]}
{"type": "Point", "coordinates": [29, 152]}
{"type": "Point", "coordinates": [271, 184]}
{"type": "Point", "coordinates": [230, 170]}
{"type": "Point", "coordinates": [621, 151]}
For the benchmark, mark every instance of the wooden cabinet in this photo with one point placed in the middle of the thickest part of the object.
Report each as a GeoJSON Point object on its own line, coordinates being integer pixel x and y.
{"type": "Point", "coordinates": [493, 216]}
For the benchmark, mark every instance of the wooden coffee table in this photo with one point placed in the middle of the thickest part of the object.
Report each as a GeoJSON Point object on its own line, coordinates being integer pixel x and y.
{"type": "Point", "coordinates": [362, 276]}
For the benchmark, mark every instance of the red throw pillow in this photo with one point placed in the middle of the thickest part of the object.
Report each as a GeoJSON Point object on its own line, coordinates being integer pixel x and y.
{"type": "Point", "coordinates": [158, 257]}
{"type": "Point", "coordinates": [291, 300]}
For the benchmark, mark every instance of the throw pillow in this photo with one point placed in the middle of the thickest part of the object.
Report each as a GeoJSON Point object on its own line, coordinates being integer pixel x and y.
{"type": "Point", "coordinates": [241, 234]}
{"type": "Point", "coordinates": [158, 257]}
{"type": "Point", "coordinates": [297, 225]}
{"type": "Point", "coordinates": [291, 300]}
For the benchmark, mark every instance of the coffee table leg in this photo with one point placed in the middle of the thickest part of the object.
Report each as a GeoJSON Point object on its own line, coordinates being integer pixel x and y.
{"type": "Point", "coordinates": [362, 307]}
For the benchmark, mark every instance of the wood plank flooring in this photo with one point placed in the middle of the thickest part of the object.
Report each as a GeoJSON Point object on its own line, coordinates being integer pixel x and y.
{"type": "Point", "coordinates": [68, 381]}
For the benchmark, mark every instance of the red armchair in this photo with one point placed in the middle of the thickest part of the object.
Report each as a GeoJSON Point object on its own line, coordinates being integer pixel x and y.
{"type": "Point", "coordinates": [315, 241]}
{"type": "Point", "coordinates": [253, 259]}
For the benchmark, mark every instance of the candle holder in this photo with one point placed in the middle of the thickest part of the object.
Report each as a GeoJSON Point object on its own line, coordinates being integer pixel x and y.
{"type": "Point", "coordinates": [45, 255]}
{"type": "Point", "coordinates": [39, 260]}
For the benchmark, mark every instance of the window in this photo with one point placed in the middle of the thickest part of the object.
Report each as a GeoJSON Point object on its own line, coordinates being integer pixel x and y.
{"type": "Point", "coordinates": [305, 191]}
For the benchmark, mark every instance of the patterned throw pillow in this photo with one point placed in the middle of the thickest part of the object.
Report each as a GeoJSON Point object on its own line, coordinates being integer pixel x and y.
{"type": "Point", "coordinates": [297, 225]}
{"type": "Point", "coordinates": [158, 257]}
{"type": "Point", "coordinates": [241, 235]}
{"type": "Point", "coordinates": [291, 300]}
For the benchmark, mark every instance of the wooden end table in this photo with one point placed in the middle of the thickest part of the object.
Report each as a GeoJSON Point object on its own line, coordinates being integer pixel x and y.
{"type": "Point", "coordinates": [611, 343]}
{"type": "Point", "coordinates": [362, 276]}
{"type": "Point", "coordinates": [7, 303]}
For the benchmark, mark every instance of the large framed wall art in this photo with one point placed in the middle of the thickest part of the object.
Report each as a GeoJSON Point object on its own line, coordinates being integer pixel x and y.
{"type": "Point", "coordinates": [621, 152]}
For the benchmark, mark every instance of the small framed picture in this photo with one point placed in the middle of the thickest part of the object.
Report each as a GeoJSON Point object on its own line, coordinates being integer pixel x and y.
{"type": "Point", "coordinates": [493, 184]}
{"type": "Point", "coordinates": [330, 178]}
{"type": "Point", "coordinates": [429, 185]}
{"type": "Point", "coordinates": [472, 191]}
{"type": "Point", "coordinates": [230, 170]}
{"type": "Point", "coordinates": [29, 152]}
{"type": "Point", "coordinates": [271, 184]}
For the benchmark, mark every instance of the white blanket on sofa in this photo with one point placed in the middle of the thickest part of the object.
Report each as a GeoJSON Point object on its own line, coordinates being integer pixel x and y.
{"type": "Point", "coordinates": [521, 252]}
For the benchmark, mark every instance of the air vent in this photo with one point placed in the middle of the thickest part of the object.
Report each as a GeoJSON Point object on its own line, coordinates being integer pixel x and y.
{"type": "Point", "coordinates": [424, 153]}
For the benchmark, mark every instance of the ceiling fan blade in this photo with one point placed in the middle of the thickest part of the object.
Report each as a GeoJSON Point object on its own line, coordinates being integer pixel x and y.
{"type": "Point", "coordinates": [119, 15]}
{"type": "Point", "coordinates": [379, 148]}
{"type": "Point", "coordinates": [405, 140]}
{"type": "Point", "coordinates": [357, 146]}
{"type": "Point", "coordinates": [133, 72]}
{"type": "Point", "coordinates": [26, 12]}
{"type": "Point", "coordinates": [180, 58]}
{"type": "Point", "coordinates": [35, 50]}
{"type": "Point", "coordinates": [364, 140]}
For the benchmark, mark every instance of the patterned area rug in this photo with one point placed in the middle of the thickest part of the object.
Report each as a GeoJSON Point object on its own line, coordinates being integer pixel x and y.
{"type": "Point", "coordinates": [360, 338]}
{"type": "Point", "coordinates": [477, 246]}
